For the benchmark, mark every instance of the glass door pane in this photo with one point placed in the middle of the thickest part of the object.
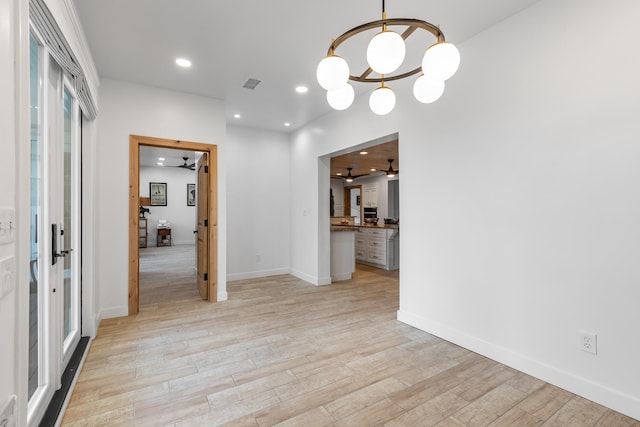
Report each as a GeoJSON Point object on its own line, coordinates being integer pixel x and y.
{"type": "Point", "coordinates": [36, 183]}
{"type": "Point", "coordinates": [68, 231]}
{"type": "Point", "coordinates": [43, 89]}
{"type": "Point", "coordinates": [70, 320]}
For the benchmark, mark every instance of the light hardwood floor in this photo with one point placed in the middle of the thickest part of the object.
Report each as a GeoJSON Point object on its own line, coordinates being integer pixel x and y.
{"type": "Point", "coordinates": [281, 351]}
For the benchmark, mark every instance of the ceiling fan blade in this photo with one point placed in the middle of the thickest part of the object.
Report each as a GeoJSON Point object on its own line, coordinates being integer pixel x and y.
{"type": "Point", "coordinates": [186, 165]}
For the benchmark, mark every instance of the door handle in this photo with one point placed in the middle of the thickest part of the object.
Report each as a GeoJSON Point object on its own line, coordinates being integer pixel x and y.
{"type": "Point", "coordinates": [62, 254]}
{"type": "Point", "coordinates": [54, 245]}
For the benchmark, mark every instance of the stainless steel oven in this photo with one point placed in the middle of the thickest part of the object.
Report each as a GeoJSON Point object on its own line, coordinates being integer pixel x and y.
{"type": "Point", "coordinates": [370, 212]}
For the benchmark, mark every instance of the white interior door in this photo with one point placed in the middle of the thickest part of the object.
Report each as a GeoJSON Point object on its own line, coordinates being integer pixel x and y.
{"type": "Point", "coordinates": [54, 329]}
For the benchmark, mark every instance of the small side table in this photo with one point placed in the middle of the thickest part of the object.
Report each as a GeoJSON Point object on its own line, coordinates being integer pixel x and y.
{"type": "Point", "coordinates": [164, 237]}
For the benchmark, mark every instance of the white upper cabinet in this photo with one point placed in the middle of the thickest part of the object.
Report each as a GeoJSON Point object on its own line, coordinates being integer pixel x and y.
{"type": "Point", "coordinates": [370, 195]}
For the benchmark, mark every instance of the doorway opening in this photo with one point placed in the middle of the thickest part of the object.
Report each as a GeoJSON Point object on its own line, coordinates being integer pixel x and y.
{"type": "Point", "coordinates": [168, 227]}
{"type": "Point", "coordinates": [353, 202]}
{"type": "Point", "coordinates": [362, 177]}
{"type": "Point", "coordinates": [204, 200]}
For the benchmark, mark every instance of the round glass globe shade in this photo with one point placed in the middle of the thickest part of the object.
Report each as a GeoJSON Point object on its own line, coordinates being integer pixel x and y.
{"type": "Point", "coordinates": [382, 101]}
{"type": "Point", "coordinates": [385, 52]}
{"type": "Point", "coordinates": [341, 98]}
{"type": "Point", "coordinates": [427, 89]}
{"type": "Point", "coordinates": [332, 72]}
{"type": "Point", "coordinates": [441, 61]}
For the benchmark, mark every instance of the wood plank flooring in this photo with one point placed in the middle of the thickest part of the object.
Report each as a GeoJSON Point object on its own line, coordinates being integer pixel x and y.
{"type": "Point", "coordinates": [283, 352]}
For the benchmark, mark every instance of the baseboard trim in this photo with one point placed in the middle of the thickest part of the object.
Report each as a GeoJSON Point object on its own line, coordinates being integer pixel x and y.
{"type": "Point", "coordinates": [257, 274]}
{"type": "Point", "coordinates": [90, 324]}
{"type": "Point", "coordinates": [111, 312]}
{"type": "Point", "coordinates": [339, 277]}
{"type": "Point", "coordinates": [322, 281]}
{"type": "Point", "coordinates": [317, 281]}
{"type": "Point", "coordinates": [621, 402]}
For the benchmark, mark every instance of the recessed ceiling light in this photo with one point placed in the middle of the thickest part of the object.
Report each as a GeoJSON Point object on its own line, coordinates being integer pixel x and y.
{"type": "Point", "coordinates": [160, 164]}
{"type": "Point", "coordinates": [302, 89]}
{"type": "Point", "coordinates": [364, 153]}
{"type": "Point", "coordinates": [287, 124]}
{"type": "Point", "coordinates": [372, 169]}
{"type": "Point", "coordinates": [237, 116]}
{"type": "Point", "coordinates": [161, 159]}
{"type": "Point", "coordinates": [183, 62]}
{"type": "Point", "coordinates": [339, 174]}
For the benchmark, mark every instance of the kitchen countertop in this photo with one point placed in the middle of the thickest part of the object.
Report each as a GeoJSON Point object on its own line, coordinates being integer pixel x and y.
{"type": "Point", "coordinates": [355, 227]}
{"type": "Point", "coordinates": [343, 228]}
{"type": "Point", "coordinates": [383, 225]}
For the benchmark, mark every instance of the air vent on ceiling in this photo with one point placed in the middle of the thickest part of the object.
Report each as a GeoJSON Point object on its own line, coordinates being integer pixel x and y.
{"type": "Point", "coordinates": [251, 84]}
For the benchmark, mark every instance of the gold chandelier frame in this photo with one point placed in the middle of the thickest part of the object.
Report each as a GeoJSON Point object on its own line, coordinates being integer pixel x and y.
{"type": "Point", "coordinates": [412, 24]}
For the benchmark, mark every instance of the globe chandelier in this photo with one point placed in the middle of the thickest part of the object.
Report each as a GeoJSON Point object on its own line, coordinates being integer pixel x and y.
{"type": "Point", "coordinates": [385, 54]}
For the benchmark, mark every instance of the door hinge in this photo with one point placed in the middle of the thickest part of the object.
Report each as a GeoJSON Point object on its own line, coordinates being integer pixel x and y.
{"type": "Point", "coordinates": [206, 276]}
{"type": "Point", "coordinates": [206, 169]}
{"type": "Point", "coordinates": [206, 222]}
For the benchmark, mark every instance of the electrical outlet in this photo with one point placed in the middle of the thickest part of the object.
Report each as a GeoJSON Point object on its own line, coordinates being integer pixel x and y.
{"type": "Point", "coordinates": [8, 413]}
{"type": "Point", "coordinates": [588, 342]}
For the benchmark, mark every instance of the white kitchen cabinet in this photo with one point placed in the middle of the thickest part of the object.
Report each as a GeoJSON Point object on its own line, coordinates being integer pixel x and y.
{"type": "Point", "coordinates": [370, 195]}
{"type": "Point", "coordinates": [378, 247]}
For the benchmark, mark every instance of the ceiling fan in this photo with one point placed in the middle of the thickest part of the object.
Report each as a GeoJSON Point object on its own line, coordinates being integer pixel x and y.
{"type": "Point", "coordinates": [348, 177]}
{"type": "Point", "coordinates": [391, 172]}
{"type": "Point", "coordinates": [191, 166]}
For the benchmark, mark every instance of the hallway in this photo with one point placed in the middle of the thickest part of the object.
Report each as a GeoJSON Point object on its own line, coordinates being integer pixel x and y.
{"type": "Point", "coordinates": [167, 276]}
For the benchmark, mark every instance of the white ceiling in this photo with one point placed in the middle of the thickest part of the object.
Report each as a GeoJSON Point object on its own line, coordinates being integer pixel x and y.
{"type": "Point", "coordinates": [149, 156]}
{"type": "Point", "coordinates": [277, 42]}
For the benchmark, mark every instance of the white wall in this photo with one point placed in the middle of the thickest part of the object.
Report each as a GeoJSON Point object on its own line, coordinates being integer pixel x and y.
{"type": "Point", "coordinates": [258, 199]}
{"type": "Point", "coordinates": [518, 195]}
{"type": "Point", "coordinates": [182, 217]}
{"type": "Point", "coordinates": [127, 109]}
{"type": "Point", "coordinates": [7, 195]}
{"type": "Point", "coordinates": [310, 149]}
{"type": "Point", "coordinates": [337, 185]}
{"type": "Point", "coordinates": [90, 293]}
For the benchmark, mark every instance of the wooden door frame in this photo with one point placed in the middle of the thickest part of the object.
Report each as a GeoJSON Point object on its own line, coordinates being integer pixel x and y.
{"type": "Point", "coordinates": [135, 142]}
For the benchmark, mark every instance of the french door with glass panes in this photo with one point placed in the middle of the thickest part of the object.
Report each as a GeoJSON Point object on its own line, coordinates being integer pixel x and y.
{"type": "Point", "coordinates": [54, 326]}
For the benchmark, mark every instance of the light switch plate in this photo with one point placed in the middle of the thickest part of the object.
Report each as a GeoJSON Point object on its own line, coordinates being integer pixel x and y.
{"type": "Point", "coordinates": [7, 277]}
{"type": "Point", "coordinates": [7, 225]}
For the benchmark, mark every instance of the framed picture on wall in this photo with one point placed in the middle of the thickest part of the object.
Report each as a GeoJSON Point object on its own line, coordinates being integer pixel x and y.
{"type": "Point", "coordinates": [191, 194]}
{"type": "Point", "coordinates": [158, 193]}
